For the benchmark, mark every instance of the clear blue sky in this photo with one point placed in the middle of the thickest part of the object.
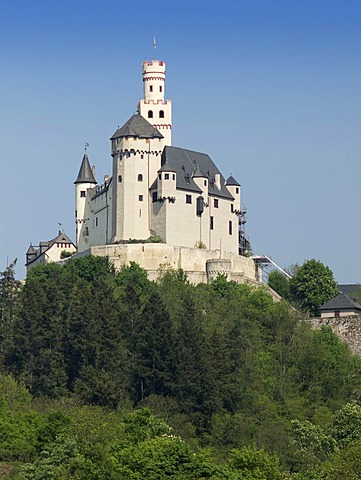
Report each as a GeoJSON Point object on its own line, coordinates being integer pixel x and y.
{"type": "Point", "coordinates": [271, 90]}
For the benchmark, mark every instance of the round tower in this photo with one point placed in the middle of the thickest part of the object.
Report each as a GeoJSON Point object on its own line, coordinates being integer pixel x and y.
{"type": "Point", "coordinates": [153, 80]}
{"type": "Point", "coordinates": [153, 107]}
{"type": "Point", "coordinates": [166, 183]}
{"type": "Point", "coordinates": [84, 181]}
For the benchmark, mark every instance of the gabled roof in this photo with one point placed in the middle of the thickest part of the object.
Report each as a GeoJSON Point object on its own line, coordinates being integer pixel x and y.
{"type": "Point", "coordinates": [31, 250]}
{"type": "Point", "coordinates": [186, 162]}
{"type": "Point", "coordinates": [341, 301]}
{"type": "Point", "coordinates": [45, 246]}
{"type": "Point", "coordinates": [231, 181]}
{"type": "Point", "coordinates": [85, 174]}
{"type": "Point", "coordinates": [137, 126]}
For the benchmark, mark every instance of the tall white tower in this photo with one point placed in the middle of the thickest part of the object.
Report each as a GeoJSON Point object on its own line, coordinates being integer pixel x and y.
{"type": "Point", "coordinates": [153, 107]}
{"type": "Point", "coordinates": [84, 181]}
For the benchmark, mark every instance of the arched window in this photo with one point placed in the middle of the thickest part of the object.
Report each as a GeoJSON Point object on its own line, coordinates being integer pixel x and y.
{"type": "Point", "coordinates": [161, 114]}
{"type": "Point", "coordinates": [140, 177]}
{"type": "Point", "coordinates": [150, 113]}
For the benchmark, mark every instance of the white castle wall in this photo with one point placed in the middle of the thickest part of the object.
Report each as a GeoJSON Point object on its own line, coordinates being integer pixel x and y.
{"type": "Point", "coordinates": [154, 256]}
{"type": "Point", "coordinates": [133, 158]}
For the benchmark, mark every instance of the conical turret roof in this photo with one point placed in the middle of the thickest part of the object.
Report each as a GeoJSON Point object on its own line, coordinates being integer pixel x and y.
{"type": "Point", "coordinates": [231, 181]}
{"type": "Point", "coordinates": [198, 173]}
{"type": "Point", "coordinates": [137, 126]}
{"type": "Point", "coordinates": [85, 174]}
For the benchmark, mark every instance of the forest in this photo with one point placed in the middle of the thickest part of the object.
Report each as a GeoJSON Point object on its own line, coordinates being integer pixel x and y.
{"type": "Point", "coordinates": [106, 375]}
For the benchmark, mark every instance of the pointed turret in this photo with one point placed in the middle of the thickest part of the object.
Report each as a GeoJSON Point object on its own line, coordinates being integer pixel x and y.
{"type": "Point", "coordinates": [85, 181]}
{"type": "Point", "coordinates": [85, 174]}
{"type": "Point", "coordinates": [232, 182]}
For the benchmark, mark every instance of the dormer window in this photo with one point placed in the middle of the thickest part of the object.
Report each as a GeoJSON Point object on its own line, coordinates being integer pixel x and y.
{"type": "Point", "coordinates": [150, 113]}
{"type": "Point", "coordinates": [161, 114]}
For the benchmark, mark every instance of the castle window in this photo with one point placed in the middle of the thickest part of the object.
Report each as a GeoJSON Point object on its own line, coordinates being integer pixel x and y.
{"type": "Point", "coordinates": [160, 88]}
{"type": "Point", "coordinates": [82, 193]}
{"type": "Point", "coordinates": [161, 114]}
{"type": "Point", "coordinates": [150, 113]}
{"type": "Point", "coordinates": [216, 203]}
{"type": "Point", "coordinates": [237, 190]}
{"type": "Point", "coordinates": [140, 198]}
{"type": "Point", "coordinates": [151, 88]}
{"type": "Point", "coordinates": [173, 176]}
{"type": "Point", "coordinates": [86, 232]}
{"type": "Point", "coordinates": [188, 198]}
{"type": "Point", "coordinates": [159, 176]}
{"type": "Point", "coordinates": [205, 183]}
{"type": "Point", "coordinates": [140, 177]}
{"type": "Point", "coordinates": [230, 227]}
{"type": "Point", "coordinates": [154, 197]}
{"type": "Point", "coordinates": [96, 221]}
{"type": "Point", "coordinates": [119, 178]}
{"type": "Point", "coordinates": [142, 156]}
{"type": "Point", "coordinates": [166, 176]}
{"type": "Point", "coordinates": [211, 223]}
{"type": "Point", "coordinates": [232, 210]}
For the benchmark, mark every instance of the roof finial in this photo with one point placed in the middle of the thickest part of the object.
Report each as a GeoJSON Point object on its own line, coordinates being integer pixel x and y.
{"type": "Point", "coordinates": [86, 146]}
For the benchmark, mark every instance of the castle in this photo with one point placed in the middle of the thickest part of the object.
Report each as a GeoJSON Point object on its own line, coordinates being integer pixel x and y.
{"type": "Point", "coordinates": [162, 205]}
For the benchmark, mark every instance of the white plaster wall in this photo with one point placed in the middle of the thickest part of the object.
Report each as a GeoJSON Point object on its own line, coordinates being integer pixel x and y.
{"type": "Point", "coordinates": [133, 157]}
{"type": "Point", "coordinates": [53, 254]}
{"type": "Point", "coordinates": [153, 99]}
{"type": "Point", "coordinates": [346, 313]}
{"type": "Point", "coordinates": [219, 237]}
{"type": "Point", "coordinates": [100, 217]}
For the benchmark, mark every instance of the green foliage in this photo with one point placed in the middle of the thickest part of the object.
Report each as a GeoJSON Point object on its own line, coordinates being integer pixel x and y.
{"type": "Point", "coordinates": [346, 426]}
{"type": "Point", "coordinates": [256, 464]}
{"type": "Point", "coordinates": [311, 442]}
{"type": "Point", "coordinates": [344, 464]}
{"type": "Point", "coordinates": [223, 364]}
{"type": "Point", "coordinates": [66, 254]}
{"type": "Point", "coordinates": [312, 286]}
{"type": "Point", "coordinates": [279, 283]}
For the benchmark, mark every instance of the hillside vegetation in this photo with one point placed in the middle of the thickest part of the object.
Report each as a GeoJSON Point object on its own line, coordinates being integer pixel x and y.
{"type": "Point", "coordinates": [107, 375]}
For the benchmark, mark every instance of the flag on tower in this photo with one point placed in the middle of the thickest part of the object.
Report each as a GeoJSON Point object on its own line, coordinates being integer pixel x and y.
{"type": "Point", "coordinates": [154, 43]}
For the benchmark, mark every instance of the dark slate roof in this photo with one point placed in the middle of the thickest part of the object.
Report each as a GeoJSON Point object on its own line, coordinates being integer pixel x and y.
{"type": "Point", "coordinates": [167, 168]}
{"type": "Point", "coordinates": [350, 289]}
{"type": "Point", "coordinates": [198, 174]}
{"type": "Point", "coordinates": [137, 126]}
{"type": "Point", "coordinates": [31, 250]}
{"type": "Point", "coordinates": [85, 174]}
{"type": "Point", "coordinates": [231, 181]}
{"type": "Point", "coordinates": [186, 162]}
{"type": "Point", "coordinates": [341, 301]}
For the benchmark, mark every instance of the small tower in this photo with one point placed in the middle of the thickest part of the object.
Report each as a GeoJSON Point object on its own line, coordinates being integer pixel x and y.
{"type": "Point", "coordinates": [166, 183]}
{"type": "Point", "coordinates": [153, 107]}
{"type": "Point", "coordinates": [84, 181]}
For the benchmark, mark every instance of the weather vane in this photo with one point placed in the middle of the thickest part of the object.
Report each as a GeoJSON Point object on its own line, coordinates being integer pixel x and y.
{"type": "Point", "coordinates": [86, 146]}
